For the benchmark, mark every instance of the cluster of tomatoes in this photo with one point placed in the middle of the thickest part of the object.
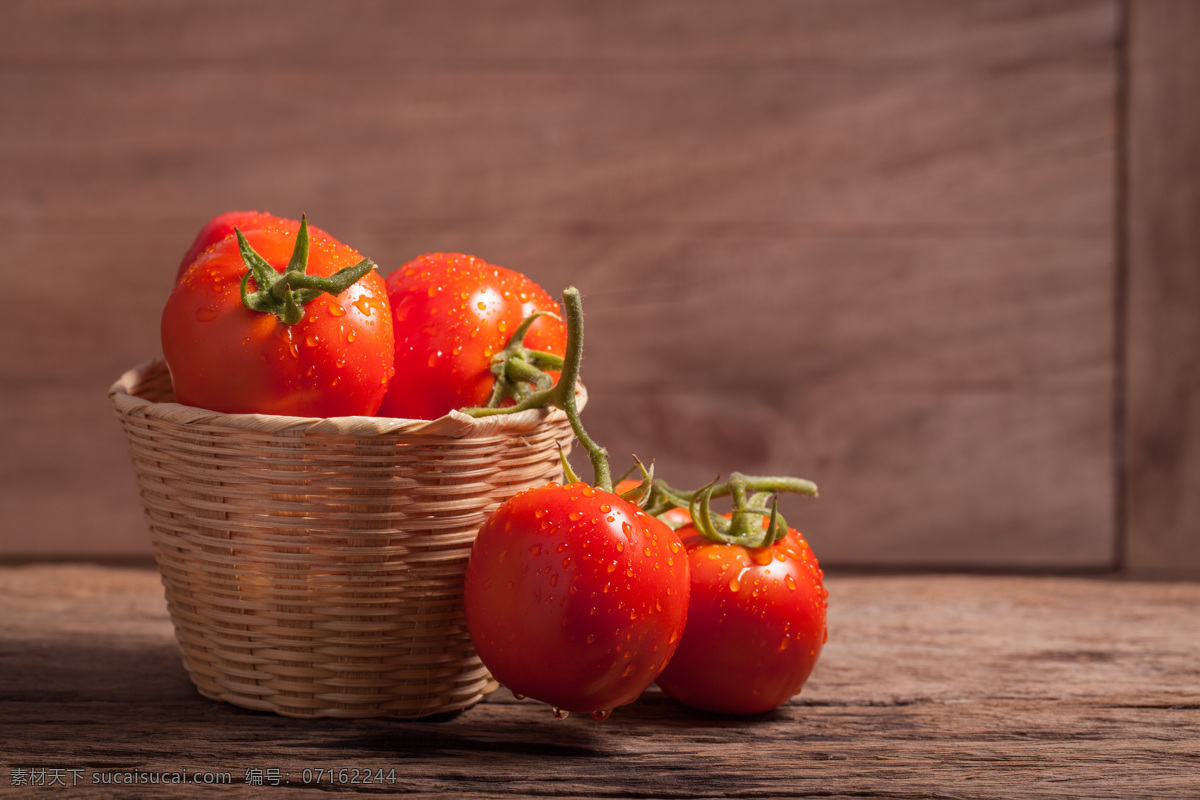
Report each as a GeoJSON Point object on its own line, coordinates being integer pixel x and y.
{"type": "Point", "coordinates": [579, 595]}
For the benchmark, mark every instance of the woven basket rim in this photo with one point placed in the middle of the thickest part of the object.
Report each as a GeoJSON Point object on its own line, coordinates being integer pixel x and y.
{"type": "Point", "coordinates": [454, 424]}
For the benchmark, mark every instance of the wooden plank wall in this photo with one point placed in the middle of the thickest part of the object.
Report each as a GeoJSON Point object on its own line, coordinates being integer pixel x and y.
{"type": "Point", "coordinates": [874, 244]}
{"type": "Point", "coordinates": [1162, 504]}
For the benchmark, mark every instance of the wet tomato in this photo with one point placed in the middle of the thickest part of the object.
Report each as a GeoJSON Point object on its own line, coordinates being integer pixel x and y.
{"type": "Point", "coordinates": [223, 225]}
{"type": "Point", "coordinates": [451, 314]}
{"type": "Point", "coordinates": [576, 597]}
{"type": "Point", "coordinates": [755, 627]}
{"type": "Point", "coordinates": [335, 360]}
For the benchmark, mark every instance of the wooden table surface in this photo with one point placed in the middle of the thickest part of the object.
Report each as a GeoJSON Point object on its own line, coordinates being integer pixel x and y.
{"type": "Point", "coordinates": [931, 686]}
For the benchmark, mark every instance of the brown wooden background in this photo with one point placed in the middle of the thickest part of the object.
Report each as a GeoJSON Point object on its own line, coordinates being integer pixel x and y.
{"type": "Point", "coordinates": [941, 257]}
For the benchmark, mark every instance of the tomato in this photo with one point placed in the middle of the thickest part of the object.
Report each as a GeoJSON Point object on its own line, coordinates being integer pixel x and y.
{"type": "Point", "coordinates": [755, 627]}
{"type": "Point", "coordinates": [223, 225]}
{"type": "Point", "coordinates": [576, 597]}
{"type": "Point", "coordinates": [336, 360]}
{"type": "Point", "coordinates": [451, 314]}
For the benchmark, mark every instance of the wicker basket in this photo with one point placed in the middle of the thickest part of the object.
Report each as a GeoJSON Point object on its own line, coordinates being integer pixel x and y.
{"type": "Point", "coordinates": [314, 567]}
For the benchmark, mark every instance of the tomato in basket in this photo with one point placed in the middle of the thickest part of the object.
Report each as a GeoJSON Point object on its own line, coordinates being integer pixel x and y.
{"type": "Point", "coordinates": [454, 316]}
{"type": "Point", "coordinates": [280, 320]}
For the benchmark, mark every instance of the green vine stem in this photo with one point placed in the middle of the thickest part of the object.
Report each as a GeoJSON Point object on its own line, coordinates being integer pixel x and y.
{"type": "Point", "coordinates": [516, 368]}
{"type": "Point", "coordinates": [562, 393]}
{"type": "Point", "coordinates": [749, 495]}
{"type": "Point", "coordinates": [285, 293]}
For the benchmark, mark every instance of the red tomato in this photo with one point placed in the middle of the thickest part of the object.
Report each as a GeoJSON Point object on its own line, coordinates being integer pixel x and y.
{"type": "Point", "coordinates": [336, 361]}
{"type": "Point", "coordinates": [451, 314]}
{"type": "Point", "coordinates": [222, 225]}
{"type": "Point", "coordinates": [755, 627]}
{"type": "Point", "coordinates": [575, 597]}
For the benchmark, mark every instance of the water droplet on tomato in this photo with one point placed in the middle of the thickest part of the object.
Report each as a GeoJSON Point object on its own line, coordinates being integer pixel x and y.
{"type": "Point", "coordinates": [561, 714]}
{"type": "Point", "coordinates": [620, 546]}
{"type": "Point", "coordinates": [336, 309]}
{"type": "Point", "coordinates": [536, 550]}
{"type": "Point", "coordinates": [790, 582]}
{"type": "Point", "coordinates": [590, 638]}
{"type": "Point", "coordinates": [612, 567]}
{"type": "Point", "coordinates": [602, 714]}
{"type": "Point", "coordinates": [575, 516]}
{"type": "Point", "coordinates": [554, 580]}
{"type": "Point", "coordinates": [735, 585]}
{"type": "Point", "coordinates": [351, 336]}
{"type": "Point", "coordinates": [206, 314]}
{"type": "Point", "coordinates": [312, 340]}
{"type": "Point", "coordinates": [518, 696]}
{"type": "Point", "coordinates": [605, 508]}
{"type": "Point", "coordinates": [503, 326]}
{"type": "Point", "coordinates": [363, 304]}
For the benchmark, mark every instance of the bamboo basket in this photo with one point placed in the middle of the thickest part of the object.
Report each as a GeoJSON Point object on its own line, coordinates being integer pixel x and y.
{"type": "Point", "coordinates": [314, 567]}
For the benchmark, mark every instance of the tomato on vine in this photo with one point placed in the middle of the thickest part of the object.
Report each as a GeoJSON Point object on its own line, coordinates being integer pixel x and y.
{"type": "Point", "coordinates": [454, 317]}
{"type": "Point", "coordinates": [277, 321]}
{"type": "Point", "coordinates": [575, 596]}
{"type": "Point", "coordinates": [757, 614]}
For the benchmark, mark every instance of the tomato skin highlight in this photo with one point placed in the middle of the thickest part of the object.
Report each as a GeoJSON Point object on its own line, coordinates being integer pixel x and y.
{"type": "Point", "coordinates": [451, 313]}
{"type": "Point", "coordinates": [756, 625]}
{"type": "Point", "coordinates": [218, 228]}
{"type": "Point", "coordinates": [337, 361]}
{"type": "Point", "coordinates": [576, 597]}
{"type": "Point", "coordinates": [222, 225]}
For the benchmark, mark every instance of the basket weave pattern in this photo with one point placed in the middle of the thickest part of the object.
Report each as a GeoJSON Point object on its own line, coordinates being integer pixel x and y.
{"type": "Point", "coordinates": [314, 567]}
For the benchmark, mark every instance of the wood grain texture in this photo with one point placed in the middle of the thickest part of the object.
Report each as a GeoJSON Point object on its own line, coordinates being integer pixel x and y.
{"type": "Point", "coordinates": [1163, 301]}
{"type": "Point", "coordinates": [870, 246]}
{"type": "Point", "coordinates": [930, 686]}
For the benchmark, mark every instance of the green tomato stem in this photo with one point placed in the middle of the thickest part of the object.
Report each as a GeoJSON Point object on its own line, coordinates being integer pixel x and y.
{"type": "Point", "coordinates": [285, 294]}
{"type": "Point", "coordinates": [749, 495]}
